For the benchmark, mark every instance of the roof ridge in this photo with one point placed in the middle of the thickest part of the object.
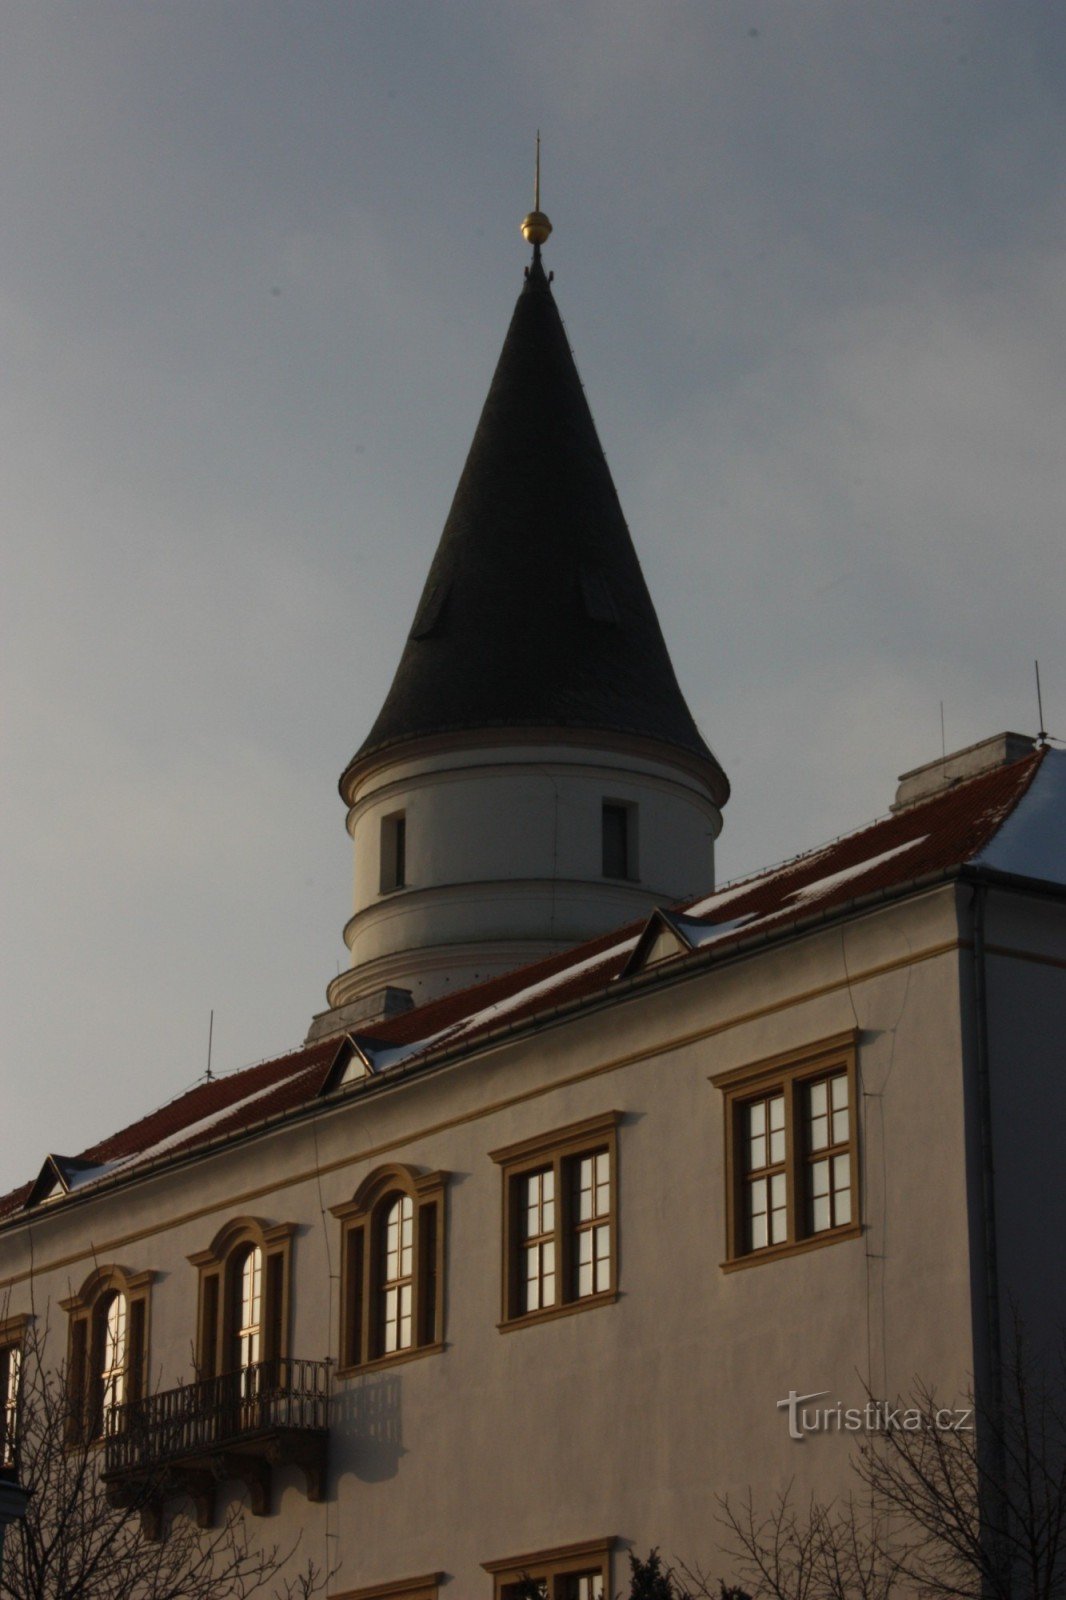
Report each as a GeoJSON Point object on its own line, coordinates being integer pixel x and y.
{"type": "Point", "coordinates": [916, 808]}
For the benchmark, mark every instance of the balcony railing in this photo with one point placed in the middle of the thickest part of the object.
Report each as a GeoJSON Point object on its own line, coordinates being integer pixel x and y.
{"type": "Point", "coordinates": [237, 1424]}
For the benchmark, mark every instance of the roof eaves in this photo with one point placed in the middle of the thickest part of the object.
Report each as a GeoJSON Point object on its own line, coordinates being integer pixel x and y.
{"type": "Point", "coordinates": [979, 872]}
{"type": "Point", "coordinates": [662, 975]}
{"type": "Point", "coordinates": [668, 972]}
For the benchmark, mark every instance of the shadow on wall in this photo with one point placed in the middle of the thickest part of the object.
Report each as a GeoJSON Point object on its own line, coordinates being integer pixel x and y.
{"type": "Point", "coordinates": [365, 1430]}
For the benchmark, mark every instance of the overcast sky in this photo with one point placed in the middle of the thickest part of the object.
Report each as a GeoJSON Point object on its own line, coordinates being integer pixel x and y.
{"type": "Point", "coordinates": [258, 261]}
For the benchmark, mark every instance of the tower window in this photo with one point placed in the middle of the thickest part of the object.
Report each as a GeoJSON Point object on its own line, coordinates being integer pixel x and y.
{"type": "Point", "coordinates": [393, 852]}
{"type": "Point", "coordinates": [619, 839]}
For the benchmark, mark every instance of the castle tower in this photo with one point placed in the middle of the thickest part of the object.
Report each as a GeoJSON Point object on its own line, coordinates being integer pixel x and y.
{"type": "Point", "coordinates": [534, 777]}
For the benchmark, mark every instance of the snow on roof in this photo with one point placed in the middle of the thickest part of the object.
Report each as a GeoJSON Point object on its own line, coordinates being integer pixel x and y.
{"type": "Point", "coordinates": [210, 1109]}
{"type": "Point", "coordinates": [1011, 819]}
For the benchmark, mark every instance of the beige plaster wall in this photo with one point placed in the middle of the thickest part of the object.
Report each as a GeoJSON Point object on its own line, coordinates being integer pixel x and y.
{"type": "Point", "coordinates": [627, 1418]}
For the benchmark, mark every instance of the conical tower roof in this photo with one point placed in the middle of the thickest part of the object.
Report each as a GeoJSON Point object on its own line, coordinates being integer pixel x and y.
{"type": "Point", "coordinates": [535, 612]}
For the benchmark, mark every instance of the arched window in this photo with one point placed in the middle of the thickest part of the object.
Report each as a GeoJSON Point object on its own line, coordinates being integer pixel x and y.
{"type": "Point", "coordinates": [12, 1339]}
{"type": "Point", "coordinates": [244, 1297]}
{"type": "Point", "coordinates": [392, 1266]}
{"type": "Point", "coordinates": [248, 1278]}
{"type": "Point", "coordinates": [108, 1349]}
{"type": "Point", "coordinates": [111, 1341]}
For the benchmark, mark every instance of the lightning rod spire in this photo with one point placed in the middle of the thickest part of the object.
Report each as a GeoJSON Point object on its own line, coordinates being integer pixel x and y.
{"type": "Point", "coordinates": [535, 226]}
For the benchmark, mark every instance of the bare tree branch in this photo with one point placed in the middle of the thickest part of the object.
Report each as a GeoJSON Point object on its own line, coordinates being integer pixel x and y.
{"type": "Point", "coordinates": [73, 1544]}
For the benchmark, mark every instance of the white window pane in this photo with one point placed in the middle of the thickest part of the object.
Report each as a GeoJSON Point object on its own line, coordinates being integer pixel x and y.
{"type": "Point", "coordinates": [778, 1209]}
{"type": "Point", "coordinates": [777, 1111]}
{"type": "Point", "coordinates": [548, 1184]}
{"type": "Point", "coordinates": [757, 1118]}
{"type": "Point", "coordinates": [840, 1126]}
{"type": "Point", "coordinates": [603, 1258]}
{"type": "Point", "coordinates": [820, 1214]}
{"type": "Point", "coordinates": [14, 1358]}
{"type": "Point", "coordinates": [757, 1197]}
{"type": "Point", "coordinates": [818, 1099]}
{"type": "Point", "coordinates": [756, 1152]}
{"type": "Point", "coordinates": [840, 1092]}
{"type": "Point", "coordinates": [758, 1231]}
{"type": "Point", "coordinates": [777, 1146]}
{"type": "Point", "coordinates": [584, 1279]}
{"type": "Point", "coordinates": [819, 1179]}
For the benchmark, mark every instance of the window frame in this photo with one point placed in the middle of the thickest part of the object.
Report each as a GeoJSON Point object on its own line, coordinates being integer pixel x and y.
{"type": "Point", "coordinates": [87, 1342]}
{"type": "Point", "coordinates": [787, 1074]}
{"type": "Point", "coordinates": [426, 1587]}
{"type": "Point", "coordinates": [13, 1332]}
{"type": "Point", "coordinates": [219, 1268]}
{"type": "Point", "coordinates": [551, 1566]}
{"type": "Point", "coordinates": [363, 1287]}
{"type": "Point", "coordinates": [559, 1150]}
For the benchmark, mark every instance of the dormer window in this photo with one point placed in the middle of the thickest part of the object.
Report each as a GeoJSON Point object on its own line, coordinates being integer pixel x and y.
{"type": "Point", "coordinates": [619, 839]}
{"type": "Point", "coordinates": [393, 852]}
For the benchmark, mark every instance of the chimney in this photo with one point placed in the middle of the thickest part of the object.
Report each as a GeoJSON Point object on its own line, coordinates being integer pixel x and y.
{"type": "Point", "coordinates": [937, 777]}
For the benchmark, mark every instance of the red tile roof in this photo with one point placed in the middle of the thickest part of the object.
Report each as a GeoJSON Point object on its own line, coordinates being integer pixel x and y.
{"type": "Point", "coordinates": [921, 843]}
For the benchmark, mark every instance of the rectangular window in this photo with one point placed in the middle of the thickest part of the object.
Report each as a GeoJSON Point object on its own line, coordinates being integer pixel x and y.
{"type": "Point", "coordinates": [791, 1151]}
{"type": "Point", "coordinates": [619, 842]}
{"type": "Point", "coordinates": [559, 1220]}
{"type": "Point", "coordinates": [393, 852]}
{"type": "Point", "coordinates": [573, 1572]}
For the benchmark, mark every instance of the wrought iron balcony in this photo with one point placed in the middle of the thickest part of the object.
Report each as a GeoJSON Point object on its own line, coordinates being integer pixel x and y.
{"type": "Point", "coordinates": [236, 1425]}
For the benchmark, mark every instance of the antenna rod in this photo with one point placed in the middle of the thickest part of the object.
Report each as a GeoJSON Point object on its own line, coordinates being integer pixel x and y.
{"type": "Point", "coordinates": [210, 1038]}
{"type": "Point", "coordinates": [943, 741]}
{"type": "Point", "coordinates": [1041, 738]}
{"type": "Point", "coordinates": [536, 181]}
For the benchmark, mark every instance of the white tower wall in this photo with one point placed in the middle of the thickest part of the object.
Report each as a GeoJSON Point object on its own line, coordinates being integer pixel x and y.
{"type": "Point", "coordinates": [503, 856]}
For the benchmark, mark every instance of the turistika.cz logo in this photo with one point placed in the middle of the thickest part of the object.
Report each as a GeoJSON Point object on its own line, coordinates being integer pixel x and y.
{"type": "Point", "coordinates": [876, 1416]}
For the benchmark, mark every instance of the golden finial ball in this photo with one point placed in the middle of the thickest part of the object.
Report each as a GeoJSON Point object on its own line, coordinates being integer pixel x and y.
{"type": "Point", "coordinates": [536, 227]}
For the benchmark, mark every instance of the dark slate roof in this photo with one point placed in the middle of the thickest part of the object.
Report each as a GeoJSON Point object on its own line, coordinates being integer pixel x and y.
{"type": "Point", "coordinates": [535, 612]}
{"type": "Point", "coordinates": [1009, 820]}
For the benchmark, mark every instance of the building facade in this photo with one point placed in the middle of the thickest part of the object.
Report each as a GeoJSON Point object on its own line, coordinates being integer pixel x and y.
{"type": "Point", "coordinates": [587, 1167]}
